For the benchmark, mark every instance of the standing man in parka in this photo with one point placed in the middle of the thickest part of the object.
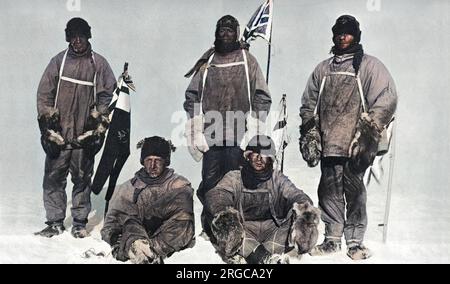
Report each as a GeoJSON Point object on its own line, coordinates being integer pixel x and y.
{"type": "Point", "coordinates": [227, 84]}
{"type": "Point", "coordinates": [151, 216]}
{"type": "Point", "coordinates": [259, 214]}
{"type": "Point", "coordinates": [72, 102]}
{"type": "Point", "coordinates": [356, 99]}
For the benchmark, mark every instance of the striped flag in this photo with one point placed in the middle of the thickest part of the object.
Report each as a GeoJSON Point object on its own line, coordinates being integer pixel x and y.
{"type": "Point", "coordinates": [260, 25]}
{"type": "Point", "coordinates": [279, 132]}
{"type": "Point", "coordinates": [117, 145]}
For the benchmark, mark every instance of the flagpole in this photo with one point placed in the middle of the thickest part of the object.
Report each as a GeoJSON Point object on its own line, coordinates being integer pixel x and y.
{"type": "Point", "coordinates": [269, 52]}
{"type": "Point", "coordinates": [282, 147]}
{"type": "Point", "coordinates": [389, 189]}
{"type": "Point", "coordinates": [268, 58]}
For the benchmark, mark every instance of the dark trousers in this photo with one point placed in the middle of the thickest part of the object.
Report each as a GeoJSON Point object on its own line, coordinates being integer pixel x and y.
{"type": "Point", "coordinates": [218, 161]}
{"type": "Point", "coordinates": [80, 167]}
{"type": "Point", "coordinates": [342, 199]}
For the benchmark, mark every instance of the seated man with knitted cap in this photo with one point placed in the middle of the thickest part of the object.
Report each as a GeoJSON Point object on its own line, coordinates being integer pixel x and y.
{"type": "Point", "coordinates": [151, 215]}
{"type": "Point", "coordinates": [260, 216]}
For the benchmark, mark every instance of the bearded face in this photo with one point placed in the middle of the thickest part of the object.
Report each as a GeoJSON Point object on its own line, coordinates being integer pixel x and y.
{"type": "Point", "coordinates": [79, 43]}
{"type": "Point", "coordinates": [227, 35]}
{"type": "Point", "coordinates": [343, 41]}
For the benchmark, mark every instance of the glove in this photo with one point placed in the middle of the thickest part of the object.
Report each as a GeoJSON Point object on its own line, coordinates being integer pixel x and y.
{"type": "Point", "coordinates": [115, 247]}
{"type": "Point", "coordinates": [141, 253]}
{"type": "Point", "coordinates": [310, 142]}
{"type": "Point", "coordinates": [228, 231]}
{"type": "Point", "coordinates": [196, 140]}
{"type": "Point", "coordinates": [304, 233]}
{"type": "Point", "coordinates": [364, 146]}
{"type": "Point", "coordinates": [94, 135]}
{"type": "Point", "coordinates": [51, 140]}
{"type": "Point", "coordinates": [254, 127]}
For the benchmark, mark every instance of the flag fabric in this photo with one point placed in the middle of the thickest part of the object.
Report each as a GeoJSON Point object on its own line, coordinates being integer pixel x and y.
{"type": "Point", "coordinates": [279, 132]}
{"type": "Point", "coordinates": [260, 24]}
{"type": "Point", "coordinates": [117, 145]}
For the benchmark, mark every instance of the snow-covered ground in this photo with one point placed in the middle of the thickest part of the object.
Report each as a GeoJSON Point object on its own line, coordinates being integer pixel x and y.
{"type": "Point", "coordinates": [418, 229]}
{"type": "Point", "coordinates": [161, 47]}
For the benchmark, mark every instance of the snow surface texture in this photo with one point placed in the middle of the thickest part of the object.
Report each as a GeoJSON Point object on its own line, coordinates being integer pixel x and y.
{"type": "Point", "coordinates": [147, 35]}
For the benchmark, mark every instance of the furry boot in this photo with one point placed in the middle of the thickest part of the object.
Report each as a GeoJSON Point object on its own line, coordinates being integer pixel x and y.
{"type": "Point", "coordinates": [327, 247]}
{"type": "Point", "coordinates": [358, 252]}
{"type": "Point", "coordinates": [304, 233]}
{"type": "Point", "coordinates": [228, 231]}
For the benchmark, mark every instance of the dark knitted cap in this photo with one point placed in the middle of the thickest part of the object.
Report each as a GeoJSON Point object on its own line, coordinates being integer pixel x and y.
{"type": "Point", "coordinates": [229, 22]}
{"type": "Point", "coordinates": [347, 24]}
{"type": "Point", "coordinates": [77, 26]}
{"type": "Point", "coordinates": [156, 146]}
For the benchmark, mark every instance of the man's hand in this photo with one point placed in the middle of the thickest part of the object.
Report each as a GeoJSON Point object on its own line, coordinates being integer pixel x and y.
{"type": "Point", "coordinates": [196, 140]}
{"type": "Point", "coordinates": [304, 233]}
{"type": "Point", "coordinates": [141, 253]}
{"type": "Point", "coordinates": [310, 142]}
{"type": "Point", "coordinates": [94, 134]}
{"type": "Point", "coordinates": [364, 146]}
{"type": "Point", "coordinates": [228, 231]}
{"type": "Point", "coordinates": [51, 139]}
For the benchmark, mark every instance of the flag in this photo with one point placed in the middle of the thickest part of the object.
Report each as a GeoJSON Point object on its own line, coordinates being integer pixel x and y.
{"type": "Point", "coordinates": [260, 24]}
{"type": "Point", "coordinates": [279, 132]}
{"type": "Point", "coordinates": [117, 145]}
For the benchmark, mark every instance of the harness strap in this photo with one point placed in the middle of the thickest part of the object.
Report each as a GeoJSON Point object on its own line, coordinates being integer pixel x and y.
{"type": "Point", "coordinates": [205, 74]}
{"type": "Point", "coordinates": [76, 81]}
{"type": "Point", "coordinates": [248, 78]}
{"type": "Point", "coordinates": [79, 82]}
{"type": "Point", "coordinates": [322, 85]}
{"type": "Point", "coordinates": [204, 82]}
{"type": "Point", "coordinates": [358, 80]}
{"type": "Point", "coordinates": [60, 75]}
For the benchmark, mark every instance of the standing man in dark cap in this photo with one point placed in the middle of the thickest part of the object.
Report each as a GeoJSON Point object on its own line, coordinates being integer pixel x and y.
{"type": "Point", "coordinates": [72, 103]}
{"type": "Point", "coordinates": [151, 216]}
{"type": "Point", "coordinates": [227, 84]}
{"type": "Point", "coordinates": [349, 99]}
{"type": "Point", "coordinates": [259, 214]}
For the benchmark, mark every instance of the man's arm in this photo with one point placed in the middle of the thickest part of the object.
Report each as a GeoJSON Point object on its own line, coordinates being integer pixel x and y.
{"type": "Point", "coordinates": [47, 88]}
{"type": "Point", "coordinates": [380, 92]}
{"type": "Point", "coordinates": [261, 100]}
{"type": "Point", "coordinates": [193, 93]}
{"type": "Point", "coordinates": [122, 222]}
{"type": "Point", "coordinates": [291, 193]}
{"type": "Point", "coordinates": [178, 230]}
{"type": "Point", "coordinates": [106, 84]}
{"type": "Point", "coordinates": [223, 195]}
{"type": "Point", "coordinates": [310, 95]}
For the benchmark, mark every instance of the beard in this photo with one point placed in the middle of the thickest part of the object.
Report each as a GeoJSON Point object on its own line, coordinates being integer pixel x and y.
{"type": "Point", "coordinates": [222, 47]}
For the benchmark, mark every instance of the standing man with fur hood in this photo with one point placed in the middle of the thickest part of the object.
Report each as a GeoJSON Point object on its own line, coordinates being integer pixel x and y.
{"type": "Point", "coordinates": [72, 104]}
{"type": "Point", "coordinates": [227, 84]}
{"type": "Point", "coordinates": [259, 214]}
{"type": "Point", "coordinates": [348, 100]}
{"type": "Point", "coordinates": [151, 216]}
